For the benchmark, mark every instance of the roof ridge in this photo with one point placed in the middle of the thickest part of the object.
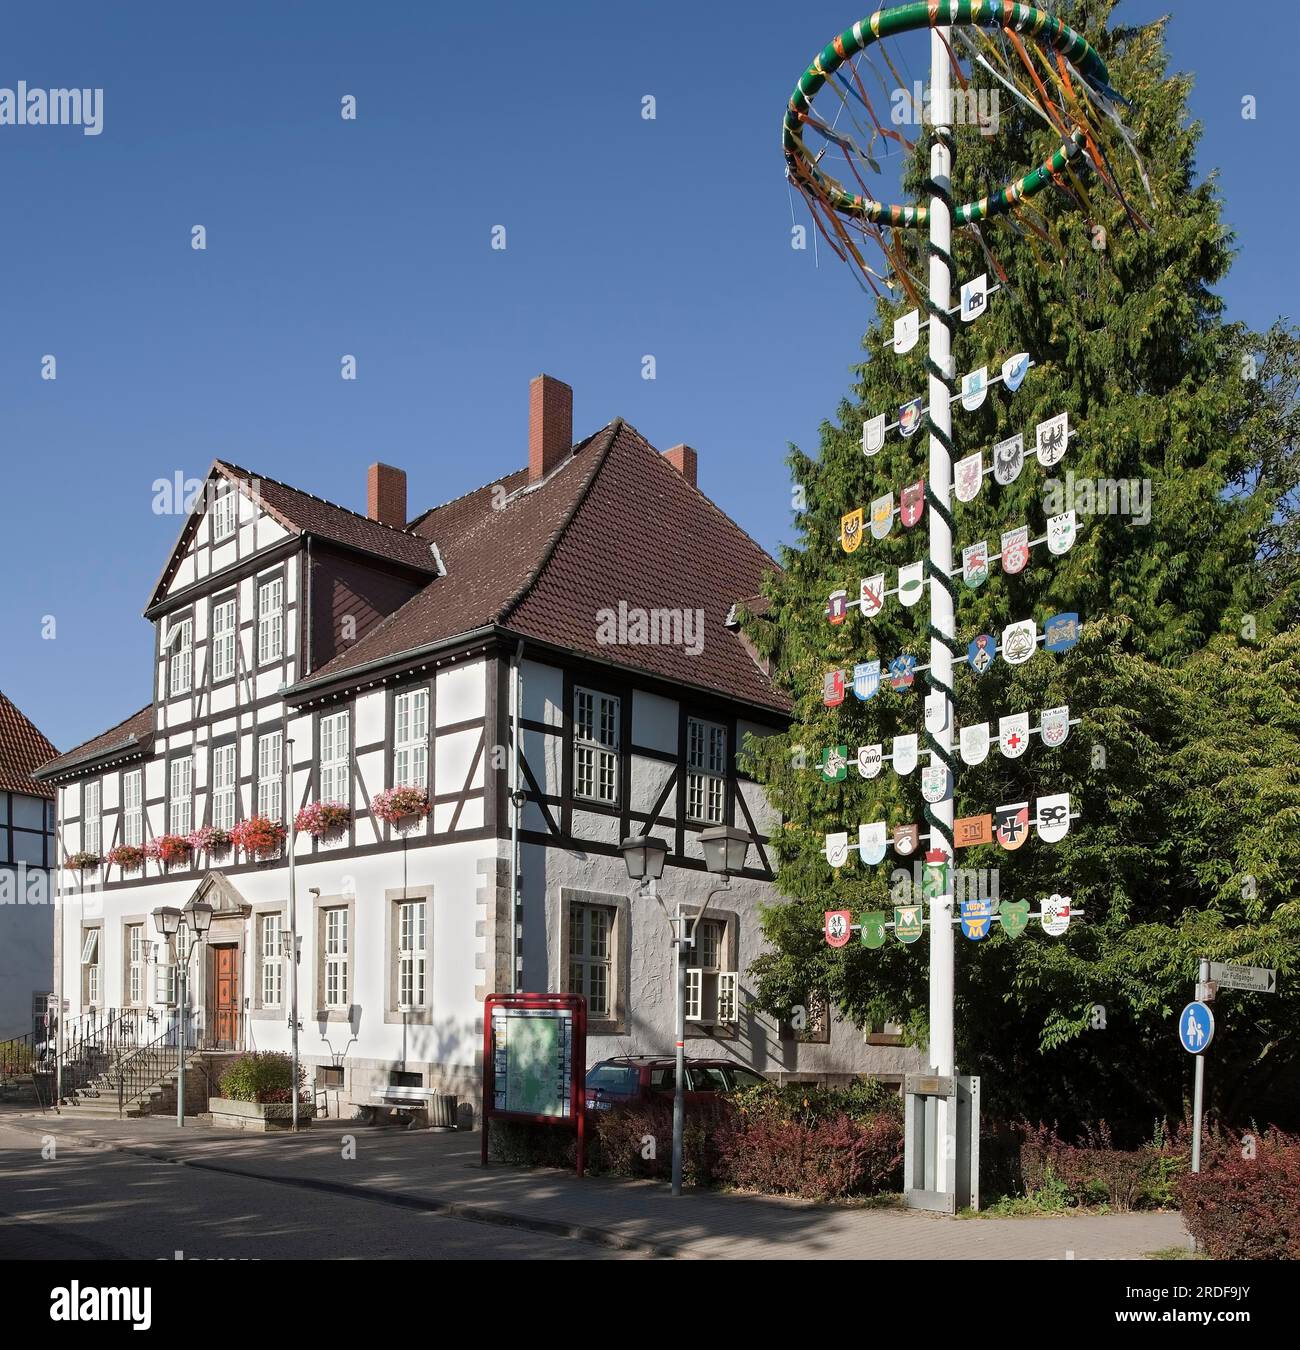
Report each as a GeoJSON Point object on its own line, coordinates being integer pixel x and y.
{"type": "Point", "coordinates": [610, 435]}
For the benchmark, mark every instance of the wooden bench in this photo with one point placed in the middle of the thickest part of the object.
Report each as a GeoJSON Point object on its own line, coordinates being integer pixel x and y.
{"type": "Point", "coordinates": [398, 1101]}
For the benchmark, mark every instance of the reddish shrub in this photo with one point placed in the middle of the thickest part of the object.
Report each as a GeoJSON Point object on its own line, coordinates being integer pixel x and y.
{"type": "Point", "coordinates": [1245, 1203]}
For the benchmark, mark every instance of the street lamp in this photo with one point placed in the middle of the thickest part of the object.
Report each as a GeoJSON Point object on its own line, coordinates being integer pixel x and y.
{"type": "Point", "coordinates": [724, 848]}
{"type": "Point", "coordinates": [187, 926]}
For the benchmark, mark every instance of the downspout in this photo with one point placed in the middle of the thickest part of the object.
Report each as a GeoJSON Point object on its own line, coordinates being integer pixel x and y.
{"type": "Point", "coordinates": [516, 810]}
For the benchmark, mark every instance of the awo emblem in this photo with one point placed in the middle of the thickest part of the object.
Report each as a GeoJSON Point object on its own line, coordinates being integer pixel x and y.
{"type": "Point", "coordinates": [1008, 460]}
{"type": "Point", "coordinates": [871, 759]}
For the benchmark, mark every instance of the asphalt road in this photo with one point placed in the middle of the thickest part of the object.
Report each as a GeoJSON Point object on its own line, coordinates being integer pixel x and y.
{"type": "Point", "coordinates": [94, 1204]}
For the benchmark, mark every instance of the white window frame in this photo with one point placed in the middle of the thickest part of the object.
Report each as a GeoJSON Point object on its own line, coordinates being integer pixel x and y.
{"type": "Point", "coordinates": [133, 807]}
{"type": "Point", "coordinates": [180, 795]}
{"type": "Point", "coordinates": [335, 948]}
{"type": "Point", "coordinates": [712, 989]}
{"type": "Point", "coordinates": [223, 786]}
{"type": "Point", "coordinates": [596, 722]}
{"type": "Point", "coordinates": [92, 828]}
{"type": "Point", "coordinates": [270, 778]}
{"type": "Point", "coordinates": [90, 965]}
{"type": "Point", "coordinates": [224, 513]}
{"type": "Point", "coordinates": [412, 954]}
{"type": "Point", "coordinates": [706, 771]}
{"type": "Point", "coordinates": [270, 620]}
{"type": "Point", "coordinates": [136, 954]}
{"type": "Point", "coordinates": [591, 970]}
{"type": "Point", "coordinates": [223, 638]}
{"type": "Point", "coordinates": [334, 768]}
{"type": "Point", "coordinates": [180, 659]}
{"type": "Point", "coordinates": [411, 738]}
{"type": "Point", "coordinates": [270, 938]}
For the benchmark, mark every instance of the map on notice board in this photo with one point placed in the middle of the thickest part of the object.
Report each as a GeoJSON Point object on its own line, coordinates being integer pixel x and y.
{"type": "Point", "coordinates": [533, 1052]}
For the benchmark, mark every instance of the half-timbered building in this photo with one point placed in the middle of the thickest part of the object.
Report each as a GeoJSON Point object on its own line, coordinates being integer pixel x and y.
{"type": "Point", "coordinates": [580, 609]}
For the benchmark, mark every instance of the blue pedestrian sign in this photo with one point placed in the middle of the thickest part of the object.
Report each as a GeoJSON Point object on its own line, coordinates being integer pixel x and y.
{"type": "Point", "coordinates": [1196, 1027]}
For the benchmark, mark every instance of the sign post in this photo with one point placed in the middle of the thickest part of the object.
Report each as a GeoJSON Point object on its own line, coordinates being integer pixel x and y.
{"type": "Point", "coordinates": [1256, 979]}
{"type": "Point", "coordinates": [1196, 1031]}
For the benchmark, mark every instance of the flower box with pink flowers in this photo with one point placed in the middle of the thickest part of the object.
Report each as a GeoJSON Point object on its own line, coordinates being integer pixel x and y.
{"type": "Point", "coordinates": [401, 805]}
{"type": "Point", "coordinates": [323, 819]}
{"type": "Point", "coordinates": [169, 849]}
{"type": "Point", "coordinates": [258, 837]}
{"type": "Point", "coordinates": [210, 839]}
{"type": "Point", "coordinates": [129, 857]}
{"type": "Point", "coordinates": [82, 862]}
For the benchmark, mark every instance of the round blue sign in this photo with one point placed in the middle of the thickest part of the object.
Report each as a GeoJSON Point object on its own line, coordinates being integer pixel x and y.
{"type": "Point", "coordinates": [1195, 1027]}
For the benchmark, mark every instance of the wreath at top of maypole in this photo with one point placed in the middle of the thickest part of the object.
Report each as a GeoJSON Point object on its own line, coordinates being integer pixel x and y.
{"type": "Point", "coordinates": [1044, 64]}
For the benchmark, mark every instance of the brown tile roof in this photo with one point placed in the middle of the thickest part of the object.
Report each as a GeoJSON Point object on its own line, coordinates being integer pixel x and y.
{"type": "Point", "coordinates": [135, 732]}
{"type": "Point", "coordinates": [22, 749]}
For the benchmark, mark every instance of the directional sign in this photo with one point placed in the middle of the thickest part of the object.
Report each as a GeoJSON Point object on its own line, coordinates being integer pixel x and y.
{"type": "Point", "coordinates": [1258, 978]}
{"type": "Point", "coordinates": [1195, 1027]}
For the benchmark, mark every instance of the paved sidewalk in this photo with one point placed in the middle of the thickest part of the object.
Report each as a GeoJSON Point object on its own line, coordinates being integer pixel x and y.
{"type": "Point", "coordinates": [440, 1173]}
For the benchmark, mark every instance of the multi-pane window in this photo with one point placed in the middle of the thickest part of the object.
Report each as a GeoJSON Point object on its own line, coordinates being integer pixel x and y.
{"type": "Point", "coordinates": [411, 918]}
{"type": "Point", "coordinates": [223, 640]}
{"type": "Point", "coordinates": [272, 954]}
{"type": "Point", "coordinates": [270, 768]}
{"type": "Point", "coordinates": [133, 807]}
{"type": "Point", "coordinates": [706, 771]}
{"type": "Point", "coordinates": [334, 749]}
{"type": "Point", "coordinates": [223, 514]}
{"type": "Point", "coordinates": [270, 620]}
{"type": "Point", "coordinates": [711, 989]}
{"type": "Point", "coordinates": [133, 941]}
{"type": "Point", "coordinates": [90, 967]}
{"type": "Point", "coordinates": [411, 739]}
{"type": "Point", "coordinates": [595, 746]}
{"type": "Point", "coordinates": [590, 932]}
{"type": "Point", "coordinates": [91, 832]}
{"type": "Point", "coordinates": [223, 787]}
{"type": "Point", "coordinates": [336, 958]}
{"type": "Point", "coordinates": [180, 661]}
{"type": "Point", "coordinates": [180, 807]}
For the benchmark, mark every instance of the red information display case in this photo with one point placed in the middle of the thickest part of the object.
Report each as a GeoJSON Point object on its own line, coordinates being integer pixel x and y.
{"type": "Point", "coordinates": [535, 1063]}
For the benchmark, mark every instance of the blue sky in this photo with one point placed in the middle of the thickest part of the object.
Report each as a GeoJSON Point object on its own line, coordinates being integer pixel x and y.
{"type": "Point", "coordinates": [625, 237]}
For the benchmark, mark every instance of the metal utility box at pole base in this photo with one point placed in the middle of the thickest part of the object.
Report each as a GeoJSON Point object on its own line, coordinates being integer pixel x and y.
{"type": "Point", "coordinates": [932, 1134]}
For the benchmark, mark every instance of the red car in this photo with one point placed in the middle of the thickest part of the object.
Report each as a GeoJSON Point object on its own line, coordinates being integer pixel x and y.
{"type": "Point", "coordinates": [651, 1078]}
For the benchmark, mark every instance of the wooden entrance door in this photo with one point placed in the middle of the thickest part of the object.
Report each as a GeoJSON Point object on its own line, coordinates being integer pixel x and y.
{"type": "Point", "coordinates": [225, 985]}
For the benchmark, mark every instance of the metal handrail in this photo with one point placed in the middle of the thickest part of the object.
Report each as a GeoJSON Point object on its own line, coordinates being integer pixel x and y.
{"type": "Point", "coordinates": [148, 1064]}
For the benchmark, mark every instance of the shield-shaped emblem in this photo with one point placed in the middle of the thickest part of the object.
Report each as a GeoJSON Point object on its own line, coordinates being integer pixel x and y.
{"type": "Point", "coordinates": [1019, 642]}
{"type": "Point", "coordinates": [882, 516]}
{"type": "Point", "coordinates": [1055, 725]}
{"type": "Point", "coordinates": [906, 839]}
{"type": "Point", "coordinates": [1060, 532]}
{"type": "Point", "coordinates": [866, 679]}
{"type": "Point", "coordinates": [974, 297]}
{"type": "Point", "coordinates": [910, 417]}
{"type": "Point", "coordinates": [1055, 917]}
{"type": "Point", "coordinates": [911, 582]}
{"type": "Point", "coordinates": [976, 918]}
{"type": "Point", "coordinates": [975, 743]}
{"type": "Point", "coordinates": [1053, 439]}
{"type": "Point", "coordinates": [1015, 917]}
{"type": "Point", "coordinates": [873, 434]}
{"type": "Point", "coordinates": [1053, 817]}
{"type": "Point", "coordinates": [975, 564]}
{"type": "Point", "coordinates": [981, 653]}
{"type": "Point", "coordinates": [837, 848]}
{"type": "Point", "coordinates": [839, 927]}
{"type": "Point", "coordinates": [902, 672]}
{"type": "Point", "coordinates": [905, 752]}
{"type": "Point", "coordinates": [1014, 370]}
{"type": "Point", "coordinates": [934, 876]}
{"type": "Point", "coordinates": [833, 688]}
{"type": "Point", "coordinates": [1015, 549]}
{"type": "Point", "coordinates": [1061, 632]}
{"type": "Point", "coordinates": [907, 328]}
{"type": "Point", "coordinates": [835, 763]}
{"type": "Point", "coordinates": [974, 388]}
{"type": "Point", "coordinates": [872, 592]}
{"type": "Point", "coordinates": [935, 783]}
{"type": "Point", "coordinates": [908, 924]}
{"type": "Point", "coordinates": [911, 503]}
{"type": "Point", "coordinates": [968, 476]}
{"type": "Point", "coordinates": [936, 712]}
{"type": "Point", "coordinates": [871, 759]}
{"type": "Point", "coordinates": [1011, 825]}
{"type": "Point", "coordinates": [1013, 735]}
{"type": "Point", "coordinates": [972, 830]}
{"type": "Point", "coordinates": [871, 928]}
{"type": "Point", "coordinates": [1008, 459]}
{"type": "Point", "coordinates": [837, 608]}
{"type": "Point", "coordinates": [851, 530]}
{"type": "Point", "coordinates": [873, 840]}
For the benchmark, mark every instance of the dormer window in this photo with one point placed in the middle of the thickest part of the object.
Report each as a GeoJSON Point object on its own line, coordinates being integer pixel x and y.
{"type": "Point", "coordinates": [180, 659]}
{"type": "Point", "coordinates": [223, 514]}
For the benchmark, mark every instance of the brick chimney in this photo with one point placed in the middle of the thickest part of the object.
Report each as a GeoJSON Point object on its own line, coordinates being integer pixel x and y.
{"type": "Point", "coordinates": [685, 461]}
{"type": "Point", "coordinates": [550, 424]}
{"type": "Point", "coordinates": [386, 495]}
